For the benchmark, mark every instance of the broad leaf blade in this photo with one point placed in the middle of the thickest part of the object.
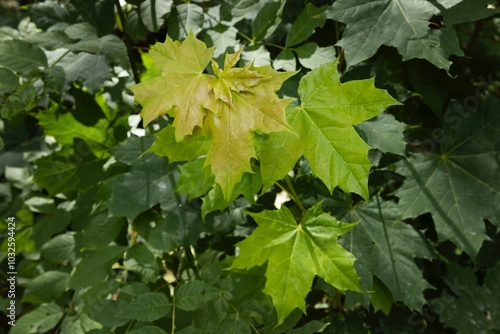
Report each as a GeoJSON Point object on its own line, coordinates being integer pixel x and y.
{"type": "Point", "coordinates": [403, 24]}
{"type": "Point", "coordinates": [295, 254]}
{"type": "Point", "coordinates": [459, 183]}
{"type": "Point", "coordinates": [324, 122]}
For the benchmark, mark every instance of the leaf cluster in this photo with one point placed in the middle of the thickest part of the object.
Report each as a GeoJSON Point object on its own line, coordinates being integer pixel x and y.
{"type": "Point", "coordinates": [245, 166]}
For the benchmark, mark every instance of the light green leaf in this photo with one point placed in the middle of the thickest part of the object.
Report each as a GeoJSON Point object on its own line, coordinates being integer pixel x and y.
{"type": "Point", "coordinates": [403, 24]}
{"type": "Point", "coordinates": [387, 247]}
{"type": "Point", "coordinates": [194, 294]}
{"type": "Point", "coordinates": [153, 13]}
{"type": "Point", "coordinates": [59, 249]}
{"type": "Point", "coordinates": [458, 182]}
{"type": "Point", "coordinates": [295, 253]}
{"type": "Point", "coordinates": [190, 148]}
{"type": "Point", "coordinates": [40, 320]}
{"type": "Point", "coordinates": [310, 18]}
{"type": "Point", "coordinates": [324, 121]}
{"type": "Point", "coordinates": [46, 287]}
{"type": "Point", "coordinates": [312, 56]}
{"type": "Point", "coordinates": [95, 266]}
{"type": "Point", "coordinates": [278, 154]}
{"type": "Point", "coordinates": [65, 128]}
{"type": "Point", "coordinates": [20, 56]}
{"type": "Point", "coordinates": [385, 133]}
{"type": "Point", "coordinates": [150, 306]}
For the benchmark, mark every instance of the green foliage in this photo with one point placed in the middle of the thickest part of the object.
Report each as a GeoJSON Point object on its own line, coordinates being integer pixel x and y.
{"type": "Point", "coordinates": [245, 166]}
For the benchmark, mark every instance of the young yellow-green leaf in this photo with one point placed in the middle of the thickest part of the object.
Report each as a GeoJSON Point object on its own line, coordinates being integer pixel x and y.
{"type": "Point", "coordinates": [295, 253]}
{"type": "Point", "coordinates": [228, 108]}
{"type": "Point", "coordinates": [324, 122]}
{"type": "Point", "coordinates": [182, 90]}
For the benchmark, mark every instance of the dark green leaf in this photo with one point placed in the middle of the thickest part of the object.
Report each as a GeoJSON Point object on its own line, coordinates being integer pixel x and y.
{"type": "Point", "coordinates": [310, 18]}
{"type": "Point", "coordinates": [459, 180]}
{"type": "Point", "coordinates": [59, 249]}
{"type": "Point", "coordinates": [40, 320]}
{"type": "Point", "coordinates": [403, 24]}
{"type": "Point", "coordinates": [8, 81]}
{"type": "Point", "coordinates": [153, 13]}
{"type": "Point", "coordinates": [147, 307]}
{"type": "Point", "coordinates": [21, 57]}
{"type": "Point", "coordinates": [95, 266]}
{"type": "Point", "coordinates": [195, 294]}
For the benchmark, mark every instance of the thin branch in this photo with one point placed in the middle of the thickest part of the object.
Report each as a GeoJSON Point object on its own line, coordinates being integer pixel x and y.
{"type": "Point", "coordinates": [128, 42]}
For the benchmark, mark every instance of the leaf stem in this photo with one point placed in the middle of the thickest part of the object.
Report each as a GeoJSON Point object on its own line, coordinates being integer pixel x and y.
{"type": "Point", "coordinates": [293, 194]}
{"type": "Point", "coordinates": [128, 42]}
{"type": "Point", "coordinates": [173, 312]}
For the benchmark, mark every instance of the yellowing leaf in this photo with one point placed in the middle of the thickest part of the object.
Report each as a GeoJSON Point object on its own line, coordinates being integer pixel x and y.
{"type": "Point", "coordinates": [295, 253]}
{"type": "Point", "coordinates": [229, 107]}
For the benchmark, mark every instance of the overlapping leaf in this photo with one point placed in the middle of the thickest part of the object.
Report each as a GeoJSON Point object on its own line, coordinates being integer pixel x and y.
{"type": "Point", "coordinates": [458, 182]}
{"type": "Point", "coordinates": [230, 107]}
{"type": "Point", "coordinates": [295, 253]}
{"type": "Point", "coordinates": [403, 24]}
{"type": "Point", "coordinates": [386, 247]}
{"type": "Point", "coordinates": [475, 309]}
{"type": "Point", "coordinates": [324, 121]}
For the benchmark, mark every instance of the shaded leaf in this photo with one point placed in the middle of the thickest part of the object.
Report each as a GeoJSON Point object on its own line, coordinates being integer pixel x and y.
{"type": "Point", "coordinates": [385, 133]}
{"type": "Point", "coordinates": [95, 266]}
{"type": "Point", "coordinates": [195, 294]}
{"type": "Point", "coordinates": [474, 309]}
{"type": "Point", "coordinates": [458, 182]}
{"type": "Point", "coordinates": [147, 307]}
{"type": "Point", "coordinates": [303, 27]}
{"type": "Point", "coordinates": [153, 13]}
{"type": "Point", "coordinates": [387, 247]}
{"type": "Point", "coordinates": [46, 287]}
{"type": "Point", "coordinates": [20, 56]}
{"type": "Point", "coordinates": [41, 320]}
{"type": "Point", "coordinates": [403, 24]}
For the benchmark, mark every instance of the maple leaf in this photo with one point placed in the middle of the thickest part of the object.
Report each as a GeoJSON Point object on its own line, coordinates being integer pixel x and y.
{"type": "Point", "coordinates": [459, 184]}
{"type": "Point", "coordinates": [386, 247]}
{"type": "Point", "coordinates": [324, 122]}
{"type": "Point", "coordinates": [182, 91]}
{"type": "Point", "coordinates": [295, 253]}
{"type": "Point", "coordinates": [229, 107]}
{"type": "Point", "coordinates": [403, 24]}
